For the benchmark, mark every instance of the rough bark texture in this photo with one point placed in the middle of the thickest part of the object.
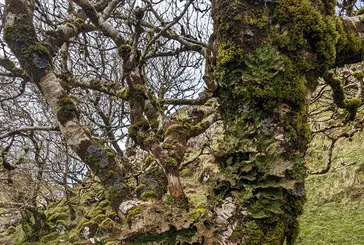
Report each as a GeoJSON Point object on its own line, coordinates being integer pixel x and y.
{"type": "Point", "coordinates": [265, 50]}
{"type": "Point", "coordinates": [268, 54]}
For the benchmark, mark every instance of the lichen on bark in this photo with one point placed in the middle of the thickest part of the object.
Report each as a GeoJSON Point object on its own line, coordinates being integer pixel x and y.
{"type": "Point", "coordinates": [262, 93]}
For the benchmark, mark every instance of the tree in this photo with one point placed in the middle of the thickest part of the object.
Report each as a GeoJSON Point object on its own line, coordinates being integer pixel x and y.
{"type": "Point", "coordinates": [108, 66]}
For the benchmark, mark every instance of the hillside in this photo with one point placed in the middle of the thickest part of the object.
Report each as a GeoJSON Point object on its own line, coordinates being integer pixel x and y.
{"type": "Point", "coordinates": [334, 212]}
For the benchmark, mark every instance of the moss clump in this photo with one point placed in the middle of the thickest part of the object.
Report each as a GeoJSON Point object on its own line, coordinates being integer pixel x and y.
{"type": "Point", "coordinates": [109, 153]}
{"type": "Point", "coordinates": [358, 75]}
{"type": "Point", "coordinates": [11, 230]}
{"type": "Point", "coordinates": [271, 80]}
{"type": "Point", "coordinates": [304, 24]}
{"type": "Point", "coordinates": [22, 40]}
{"type": "Point", "coordinates": [171, 162]}
{"type": "Point", "coordinates": [79, 21]}
{"type": "Point", "coordinates": [181, 128]}
{"type": "Point", "coordinates": [7, 64]}
{"type": "Point", "coordinates": [167, 146]}
{"type": "Point", "coordinates": [56, 216]}
{"type": "Point", "coordinates": [48, 238]}
{"type": "Point", "coordinates": [361, 19]}
{"type": "Point", "coordinates": [172, 236]}
{"type": "Point", "coordinates": [148, 195]}
{"type": "Point", "coordinates": [349, 47]}
{"type": "Point", "coordinates": [149, 160]}
{"type": "Point", "coordinates": [38, 48]}
{"type": "Point", "coordinates": [197, 213]}
{"type": "Point", "coordinates": [350, 104]}
{"type": "Point", "coordinates": [140, 187]}
{"type": "Point", "coordinates": [107, 224]}
{"type": "Point", "coordinates": [70, 25]}
{"type": "Point", "coordinates": [124, 50]}
{"type": "Point", "coordinates": [228, 54]}
{"type": "Point", "coordinates": [123, 93]}
{"type": "Point", "coordinates": [66, 110]}
{"type": "Point", "coordinates": [138, 131]}
{"type": "Point", "coordinates": [249, 229]}
{"type": "Point", "coordinates": [259, 18]}
{"type": "Point", "coordinates": [134, 213]}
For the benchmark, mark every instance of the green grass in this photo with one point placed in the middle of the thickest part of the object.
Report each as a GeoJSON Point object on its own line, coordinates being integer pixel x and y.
{"type": "Point", "coordinates": [332, 223]}
{"type": "Point", "coordinates": [334, 212]}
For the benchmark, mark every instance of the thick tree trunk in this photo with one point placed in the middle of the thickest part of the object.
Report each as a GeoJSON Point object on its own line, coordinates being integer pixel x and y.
{"type": "Point", "coordinates": [263, 56]}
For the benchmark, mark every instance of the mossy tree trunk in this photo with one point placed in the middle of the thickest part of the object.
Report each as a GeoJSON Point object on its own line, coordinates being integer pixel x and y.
{"type": "Point", "coordinates": [268, 54]}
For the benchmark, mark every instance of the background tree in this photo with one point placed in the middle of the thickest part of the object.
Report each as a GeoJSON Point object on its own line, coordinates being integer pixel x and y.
{"type": "Point", "coordinates": [90, 79]}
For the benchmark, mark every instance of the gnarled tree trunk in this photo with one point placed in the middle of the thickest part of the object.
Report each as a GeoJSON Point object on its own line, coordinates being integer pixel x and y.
{"type": "Point", "coordinates": [268, 52]}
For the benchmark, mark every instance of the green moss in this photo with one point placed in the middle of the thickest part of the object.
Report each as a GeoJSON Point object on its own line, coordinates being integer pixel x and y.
{"type": "Point", "coordinates": [104, 204]}
{"type": "Point", "coordinates": [58, 215]}
{"type": "Point", "coordinates": [72, 26]}
{"type": "Point", "coordinates": [349, 46]}
{"type": "Point", "coordinates": [177, 128]}
{"type": "Point", "coordinates": [80, 21]}
{"type": "Point", "coordinates": [138, 131]}
{"type": "Point", "coordinates": [73, 236]}
{"type": "Point", "coordinates": [251, 230]}
{"type": "Point", "coordinates": [208, 103]}
{"type": "Point", "coordinates": [123, 93]}
{"type": "Point", "coordinates": [197, 213]}
{"type": "Point", "coordinates": [66, 110]}
{"type": "Point", "coordinates": [149, 160]}
{"type": "Point", "coordinates": [149, 139]}
{"type": "Point", "coordinates": [38, 48]}
{"type": "Point", "coordinates": [361, 19]}
{"type": "Point", "coordinates": [111, 173]}
{"type": "Point", "coordinates": [261, 86]}
{"type": "Point", "coordinates": [167, 146]}
{"type": "Point", "coordinates": [358, 75]}
{"type": "Point", "coordinates": [350, 104]}
{"type": "Point", "coordinates": [107, 225]}
{"type": "Point", "coordinates": [7, 64]}
{"type": "Point", "coordinates": [48, 238]}
{"type": "Point", "coordinates": [258, 18]}
{"type": "Point", "coordinates": [133, 213]}
{"type": "Point", "coordinates": [302, 20]}
{"type": "Point", "coordinates": [109, 153]}
{"type": "Point", "coordinates": [228, 53]}
{"type": "Point", "coordinates": [112, 242]}
{"type": "Point", "coordinates": [65, 223]}
{"type": "Point", "coordinates": [172, 162]}
{"type": "Point", "coordinates": [124, 50]}
{"type": "Point", "coordinates": [360, 11]}
{"type": "Point", "coordinates": [11, 230]}
{"type": "Point", "coordinates": [148, 195]}
{"type": "Point", "coordinates": [271, 80]}
{"type": "Point", "coordinates": [32, 55]}
{"type": "Point", "coordinates": [20, 160]}
{"type": "Point", "coordinates": [139, 187]}
{"type": "Point", "coordinates": [172, 236]}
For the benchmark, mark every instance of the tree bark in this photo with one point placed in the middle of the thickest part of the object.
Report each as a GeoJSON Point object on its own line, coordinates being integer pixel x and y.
{"type": "Point", "coordinates": [266, 54]}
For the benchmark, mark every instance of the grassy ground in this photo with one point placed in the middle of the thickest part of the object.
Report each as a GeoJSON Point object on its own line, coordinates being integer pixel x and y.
{"type": "Point", "coordinates": [334, 213]}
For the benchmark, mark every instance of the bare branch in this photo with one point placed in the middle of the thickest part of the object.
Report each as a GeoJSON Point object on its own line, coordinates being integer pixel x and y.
{"type": "Point", "coordinates": [27, 129]}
